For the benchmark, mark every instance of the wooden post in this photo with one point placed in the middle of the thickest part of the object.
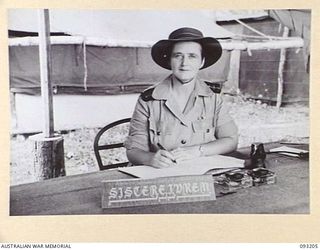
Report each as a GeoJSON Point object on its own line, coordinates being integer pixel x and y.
{"type": "Point", "coordinates": [48, 147]}
{"type": "Point", "coordinates": [45, 71]}
{"type": "Point", "coordinates": [233, 76]}
{"type": "Point", "coordinates": [14, 121]}
{"type": "Point", "coordinates": [280, 70]}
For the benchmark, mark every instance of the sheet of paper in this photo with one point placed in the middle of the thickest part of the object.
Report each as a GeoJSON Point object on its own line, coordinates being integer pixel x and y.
{"type": "Point", "coordinates": [289, 149]}
{"type": "Point", "coordinates": [197, 166]}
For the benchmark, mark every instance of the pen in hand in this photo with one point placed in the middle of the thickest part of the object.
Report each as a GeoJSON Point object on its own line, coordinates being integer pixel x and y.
{"type": "Point", "coordinates": [163, 148]}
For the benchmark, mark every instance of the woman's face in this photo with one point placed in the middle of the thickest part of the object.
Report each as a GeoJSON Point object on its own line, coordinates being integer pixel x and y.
{"type": "Point", "coordinates": [186, 60]}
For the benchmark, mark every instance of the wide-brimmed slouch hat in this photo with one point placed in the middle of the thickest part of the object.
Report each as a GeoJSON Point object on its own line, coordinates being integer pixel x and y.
{"type": "Point", "coordinates": [211, 48]}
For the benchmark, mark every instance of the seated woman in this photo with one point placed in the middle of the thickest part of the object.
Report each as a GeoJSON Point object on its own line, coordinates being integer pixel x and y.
{"type": "Point", "coordinates": [181, 117]}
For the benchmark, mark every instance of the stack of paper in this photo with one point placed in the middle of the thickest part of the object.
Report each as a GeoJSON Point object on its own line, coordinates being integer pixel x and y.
{"type": "Point", "coordinates": [197, 166]}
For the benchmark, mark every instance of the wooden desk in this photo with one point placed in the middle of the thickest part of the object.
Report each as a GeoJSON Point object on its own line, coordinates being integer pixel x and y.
{"type": "Point", "coordinates": [81, 194]}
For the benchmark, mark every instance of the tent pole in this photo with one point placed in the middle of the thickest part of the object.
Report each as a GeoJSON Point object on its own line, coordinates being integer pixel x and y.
{"type": "Point", "coordinates": [45, 71]}
{"type": "Point", "coordinates": [234, 71]}
{"type": "Point", "coordinates": [48, 148]}
{"type": "Point", "coordinates": [280, 70]}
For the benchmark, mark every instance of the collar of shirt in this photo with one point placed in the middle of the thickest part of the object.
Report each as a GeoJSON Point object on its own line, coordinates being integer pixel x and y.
{"type": "Point", "coordinates": [162, 90]}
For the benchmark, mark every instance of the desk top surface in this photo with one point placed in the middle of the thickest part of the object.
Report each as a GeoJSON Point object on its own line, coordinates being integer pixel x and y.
{"type": "Point", "coordinates": [81, 194]}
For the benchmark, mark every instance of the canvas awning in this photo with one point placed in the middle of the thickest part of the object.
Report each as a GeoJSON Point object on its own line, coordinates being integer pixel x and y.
{"type": "Point", "coordinates": [120, 27]}
{"type": "Point", "coordinates": [135, 28]}
{"type": "Point", "coordinates": [299, 22]}
{"type": "Point", "coordinates": [109, 51]}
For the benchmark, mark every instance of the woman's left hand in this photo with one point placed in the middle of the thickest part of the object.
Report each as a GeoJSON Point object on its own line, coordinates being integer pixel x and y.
{"type": "Point", "coordinates": [186, 153]}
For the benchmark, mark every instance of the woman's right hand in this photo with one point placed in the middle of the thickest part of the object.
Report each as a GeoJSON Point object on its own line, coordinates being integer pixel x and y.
{"type": "Point", "coordinates": [162, 159]}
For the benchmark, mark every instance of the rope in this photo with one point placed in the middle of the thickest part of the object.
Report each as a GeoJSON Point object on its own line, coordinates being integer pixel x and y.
{"type": "Point", "coordinates": [85, 65]}
{"type": "Point", "coordinates": [252, 29]}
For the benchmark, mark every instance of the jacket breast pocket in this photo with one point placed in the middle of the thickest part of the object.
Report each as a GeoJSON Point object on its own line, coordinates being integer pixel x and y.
{"type": "Point", "coordinates": [161, 133]}
{"type": "Point", "coordinates": [204, 130]}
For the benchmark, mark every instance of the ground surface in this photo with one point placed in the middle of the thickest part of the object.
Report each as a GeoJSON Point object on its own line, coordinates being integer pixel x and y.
{"type": "Point", "coordinates": [256, 122]}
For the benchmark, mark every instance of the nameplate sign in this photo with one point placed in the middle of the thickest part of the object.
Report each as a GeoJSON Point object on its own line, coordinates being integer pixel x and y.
{"type": "Point", "coordinates": [166, 190]}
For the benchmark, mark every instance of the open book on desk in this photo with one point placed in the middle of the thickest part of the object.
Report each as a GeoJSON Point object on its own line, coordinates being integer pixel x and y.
{"type": "Point", "coordinates": [215, 164]}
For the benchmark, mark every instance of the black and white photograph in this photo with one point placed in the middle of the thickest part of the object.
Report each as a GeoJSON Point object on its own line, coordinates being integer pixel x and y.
{"type": "Point", "coordinates": [196, 111]}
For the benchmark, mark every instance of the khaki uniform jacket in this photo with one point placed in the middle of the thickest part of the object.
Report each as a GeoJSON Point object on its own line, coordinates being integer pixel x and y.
{"type": "Point", "coordinates": [159, 119]}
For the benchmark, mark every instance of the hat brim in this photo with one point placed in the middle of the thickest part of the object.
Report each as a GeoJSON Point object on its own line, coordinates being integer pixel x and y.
{"type": "Point", "coordinates": [211, 50]}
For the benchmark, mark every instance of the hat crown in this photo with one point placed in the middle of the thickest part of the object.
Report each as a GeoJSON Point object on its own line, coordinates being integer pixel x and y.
{"type": "Point", "coordinates": [185, 33]}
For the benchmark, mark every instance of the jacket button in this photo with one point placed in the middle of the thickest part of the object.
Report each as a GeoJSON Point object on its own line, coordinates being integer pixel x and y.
{"type": "Point", "coordinates": [183, 141]}
{"type": "Point", "coordinates": [208, 130]}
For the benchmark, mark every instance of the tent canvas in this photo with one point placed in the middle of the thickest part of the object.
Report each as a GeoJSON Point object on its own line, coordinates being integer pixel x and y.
{"type": "Point", "coordinates": [107, 70]}
{"type": "Point", "coordinates": [122, 64]}
{"type": "Point", "coordinates": [103, 53]}
{"type": "Point", "coordinates": [138, 28]}
{"type": "Point", "coordinates": [108, 52]}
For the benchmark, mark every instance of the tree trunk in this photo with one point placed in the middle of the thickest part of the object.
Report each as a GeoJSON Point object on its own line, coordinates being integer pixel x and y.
{"type": "Point", "coordinates": [48, 157]}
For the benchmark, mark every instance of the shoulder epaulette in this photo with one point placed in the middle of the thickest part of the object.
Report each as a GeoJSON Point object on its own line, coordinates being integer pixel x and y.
{"type": "Point", "coordinates": [214, 86]}
{"type": "Point", "coordinates": [147, 95]}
